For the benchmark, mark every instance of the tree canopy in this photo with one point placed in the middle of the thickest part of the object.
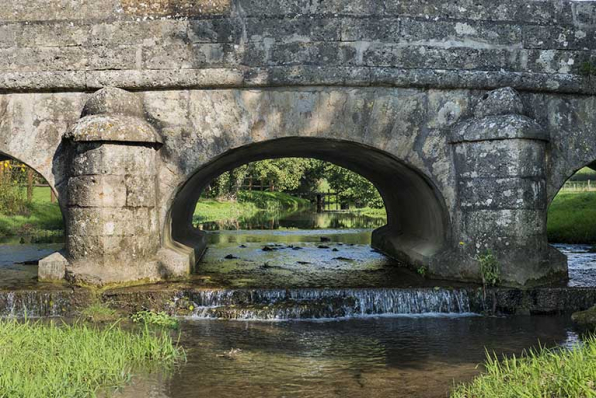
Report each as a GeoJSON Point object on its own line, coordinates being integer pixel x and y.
{"type": "Point", "coordinates": [297, 175]}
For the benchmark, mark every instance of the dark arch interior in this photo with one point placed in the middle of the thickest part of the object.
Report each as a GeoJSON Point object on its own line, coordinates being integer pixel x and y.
{"type": "Point", "coordinates": [417, 221]}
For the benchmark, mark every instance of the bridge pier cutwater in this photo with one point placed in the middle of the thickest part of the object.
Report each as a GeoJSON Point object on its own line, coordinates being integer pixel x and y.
{"type": "Point", "coordinates": [468, 117]}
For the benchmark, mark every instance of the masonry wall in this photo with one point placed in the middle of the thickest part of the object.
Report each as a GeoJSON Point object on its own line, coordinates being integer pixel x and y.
{"type": "Point", "coordinates": [540, 45]}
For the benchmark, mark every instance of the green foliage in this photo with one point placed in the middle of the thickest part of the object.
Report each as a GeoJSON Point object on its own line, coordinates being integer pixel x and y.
{"type": "Point", "coordinates": [572, 218]}
{"type": "Point", "coordinates": [43, 217]}
{"type": "Point", "coordinates": [297, 174]}
{"type": "Point", "coordinates": [422, 271]}
{"type": "Point", "coordinates": [45, 359]}
{"type": "Point", "coordinates": [13, 200]}
{"type": "Point", "coordinates": [538, 373]}
{"type": "Point", "coordinates": [155, 319]}
{"type": "Point", "coordinates": [352, 187]}
{"type": "Point", "coordinates": [584, 174]}
{"type": "Point", "coordinates": [489, 268]}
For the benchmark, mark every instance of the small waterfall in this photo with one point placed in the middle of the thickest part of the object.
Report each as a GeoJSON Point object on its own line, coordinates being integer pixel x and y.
{"type": "Point", "coordinates": [326, 303]}
{"type": "Point", "coordinates": [34, 303]}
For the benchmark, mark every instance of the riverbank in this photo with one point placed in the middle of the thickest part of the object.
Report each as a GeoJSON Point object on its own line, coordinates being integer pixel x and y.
{"type": "Point", "coordinates": [248, 204]}
{"type": "Point", "coordinates": [542, 372]}
{"type": "Point", "coordinates": [43, 218]}
{"type": "Point", "coordinates": [572, 218]}
{"type": "Point", "coordinates": [38, 357]}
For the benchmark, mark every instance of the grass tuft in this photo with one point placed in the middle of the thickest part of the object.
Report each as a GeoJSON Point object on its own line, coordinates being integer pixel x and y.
{"type": "Point", "coordinates": [540, 372]}
{"type": "Point", "coordinates": [155, 319]}
{"type": "Point", "coordinates": [60, 360]}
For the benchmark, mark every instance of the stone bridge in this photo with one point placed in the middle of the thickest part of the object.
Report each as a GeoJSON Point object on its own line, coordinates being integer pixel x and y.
{"type": "Point", "coordinates": [468, 116]}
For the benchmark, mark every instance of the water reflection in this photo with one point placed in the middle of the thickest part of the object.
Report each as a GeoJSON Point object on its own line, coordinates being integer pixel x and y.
{"type": "Point", "coordinates": [409, 357]}
{"type": "Point", "coordinates": [305, 219]}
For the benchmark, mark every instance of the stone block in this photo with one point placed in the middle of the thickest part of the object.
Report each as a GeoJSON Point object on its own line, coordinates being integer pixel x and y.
{"type": "Point", "coordinates": [141, 191]}
{"type": "Point", "coordinates": [112, 57]}
{"type": "Point", "coordinates": [167, 56]}
{"type": "Point", "coordinates": [558, 37]}
{"type": "Point", "coordinates": [113, 159]}
{"type": "Point", "coordinates": [53, 34]}
{"type": "Point", "coordinates": [313, 53]}
{"type": "Point", "coordinates": [371, 29]}
{"type": "Point", "coordinates": [521, 225]}
{"type": "Point", "coordinates": [431, 57]}
{"type": "Point", "coordinates": [502, 193]}
{"type": "Point", "coordinates": [463, 33]}
{"type": "Point", "coordinates": [211, 55]}
{"type": "Point", "coordinates": [52, 267]}
{"type": "Point", "coordinates": [175, 263]}
{"type": "Point", "coordinates": [97, 191]}
{"type": "Point", "coordinates": [301, 28]}
{"type": "Point", "coordinates": [501, 158]}
{"type": "Point", "coordinates": [214, 31]}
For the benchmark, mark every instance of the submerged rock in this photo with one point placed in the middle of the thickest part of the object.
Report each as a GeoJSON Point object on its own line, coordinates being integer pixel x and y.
{"type": "Point", "coordinates": [335, 249]}
{"type": "Point", "coordinates": [585, 318]}
{"type": "Point", "coordinates": [268, 249]}
{"type": "Point", "coordinates": [231, 257]}
{"type": "Point", "coordinates": [343, 259]}
{"type": "Point", "coordinates": [325, 239]}
{"type": "Point", "coordinates": [242, 246]}
{"type": "Point", "coordinates": [323, 247]}
{"type": "Point", "coordinates": [296, 248]}
{"type": "Point", "coordinates": [303, 262]}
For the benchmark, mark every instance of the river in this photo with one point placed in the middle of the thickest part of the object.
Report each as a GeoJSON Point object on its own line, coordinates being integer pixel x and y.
{"type": "Point", "coordinates": [377, 333]}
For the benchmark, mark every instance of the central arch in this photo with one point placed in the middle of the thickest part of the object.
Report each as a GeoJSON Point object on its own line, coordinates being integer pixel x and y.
{"type": "Point", "coordinates": [417, 218]}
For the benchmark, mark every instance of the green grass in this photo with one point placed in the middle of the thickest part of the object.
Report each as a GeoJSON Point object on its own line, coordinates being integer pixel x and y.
{"type": "Point", "coordinates": [44, 217]}
{"type": "Point", "coordinates": [58, 360]}
{"type": "Point", "coordinates": [248, 204]}
{"type": "Point", "coordinates": [160, 319]}
{"type": "Point", "coordinates": [572, 218]}
{"type": "Point", "coordinates": [539, 373]}
{"type": "Point", "coordinates": [373, 213]}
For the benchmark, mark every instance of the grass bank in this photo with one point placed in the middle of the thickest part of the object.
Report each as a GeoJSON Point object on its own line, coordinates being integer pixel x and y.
{"type": "Point", "coordinates": [59, 360]}
{"type": "Point", "coordinates": [540, 373]}
{"type": "Point", "coordinates": [373, 213]}
{"type": "Point", "coordinates": [43, 217]}
{"type": "Point", "coordinates": [572, 218]}
{"type": "Point", "coordinates": [247, 205]}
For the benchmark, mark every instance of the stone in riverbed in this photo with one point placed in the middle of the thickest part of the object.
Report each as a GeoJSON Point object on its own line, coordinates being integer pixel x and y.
{"type": "Point", "coordinates": [585, 318]}
{"type": "Point", "coordinates": [53, 267]}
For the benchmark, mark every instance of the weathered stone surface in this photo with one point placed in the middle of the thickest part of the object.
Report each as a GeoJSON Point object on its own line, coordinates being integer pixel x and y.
{"type": "Point", "coordinates": [504, 101]}
{"type": "Point", "coordinates": [113, 101]}
{"type": "Point", "coordinates": [52, 268]}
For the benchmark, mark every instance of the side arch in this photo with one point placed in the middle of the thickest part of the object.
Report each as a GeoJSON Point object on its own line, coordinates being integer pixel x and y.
{"type": "Point", "coordinates": [418, 223]}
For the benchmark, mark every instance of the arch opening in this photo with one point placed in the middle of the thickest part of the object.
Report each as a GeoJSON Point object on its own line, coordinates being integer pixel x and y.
{"type": "Point", "coordinates": [571, 224]}
{"type": "Point", "coordinates": [417, 220]}
{"type": "Point", "coordinates": [31, 221]}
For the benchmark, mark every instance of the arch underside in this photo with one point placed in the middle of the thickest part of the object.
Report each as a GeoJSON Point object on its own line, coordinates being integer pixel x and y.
{"type": "Point", "coordinates": [417, 220]}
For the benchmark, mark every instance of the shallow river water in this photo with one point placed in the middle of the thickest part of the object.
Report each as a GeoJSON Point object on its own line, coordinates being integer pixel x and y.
{"type": "Point", "coordinates": [377, 357]}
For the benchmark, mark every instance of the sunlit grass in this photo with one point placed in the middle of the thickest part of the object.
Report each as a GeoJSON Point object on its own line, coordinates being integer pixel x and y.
{"type": "Point", "coordinates": [539, 373]}
{"type": "Point", "coordinates": [247, 205]}
{"type": "Point", "coordinates": [572, 218]}
{"type": "Point", "coordinates": [58, 360]}
{"type": "Point", "coordinates": [43, 217]}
